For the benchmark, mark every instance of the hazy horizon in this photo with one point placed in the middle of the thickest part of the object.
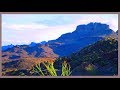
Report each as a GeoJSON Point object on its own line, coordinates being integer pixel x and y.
{"type": "Point", "coordinates": [19, 29]}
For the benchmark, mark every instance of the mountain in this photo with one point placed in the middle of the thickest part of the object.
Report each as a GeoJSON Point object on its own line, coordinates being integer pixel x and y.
{"type": "Point", "coordinates": [32, 44]}
{"type": "Point", "coordinates": [7, 47]}
{"type": "Point", "coordinates": [89, 30]}
{"type": "Point", "coordinates": [66, 44]}
{"type": "Point", "coordinates": [43, 42]}
{"type": "Point", "coordinates": [100, 58]}
{"type": "Point", "coordinates": [84, 35]}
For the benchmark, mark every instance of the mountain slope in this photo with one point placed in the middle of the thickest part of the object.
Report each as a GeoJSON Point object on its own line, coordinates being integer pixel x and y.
{"type": "Point", "coordinates": [25, 51]}
{"type": "Point", "coordinates": [100, 58]}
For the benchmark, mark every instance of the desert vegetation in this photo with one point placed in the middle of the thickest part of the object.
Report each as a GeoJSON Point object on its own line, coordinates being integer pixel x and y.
{"type": "Point", "coordinates": [50, 70]}
{"type": "Point", "coordinates": [41, 68]}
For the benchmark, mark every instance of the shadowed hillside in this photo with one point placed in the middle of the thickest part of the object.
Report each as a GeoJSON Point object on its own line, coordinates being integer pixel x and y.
{"type": "Point", "coordinates": [100, 58]}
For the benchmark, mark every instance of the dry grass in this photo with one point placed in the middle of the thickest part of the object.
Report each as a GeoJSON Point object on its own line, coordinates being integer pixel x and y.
{"type": "Point", "coordinates": [24, 64]}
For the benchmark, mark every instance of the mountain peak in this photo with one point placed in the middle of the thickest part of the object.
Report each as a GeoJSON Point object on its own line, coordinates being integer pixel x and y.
{"type": "Point", "coordinates": [32, 44]}
{"type": "Point", "coordinates": [7, 47]}
{"type": "Point", "coordinates": [93, 26]}
{"type": "Point", "coordinates": [92, 29]}
{"type": "Point", "coordinates": [43, 42]}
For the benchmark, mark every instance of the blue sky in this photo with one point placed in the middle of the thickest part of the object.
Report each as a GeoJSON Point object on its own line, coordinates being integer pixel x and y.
{"type": "Point", "coordinates": [27, 28]}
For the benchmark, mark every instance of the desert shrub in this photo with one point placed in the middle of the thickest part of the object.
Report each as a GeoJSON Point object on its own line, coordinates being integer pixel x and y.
{"type": "Point", "coordinates": [50, 69]}
{"type": "Point", "coordinates": [89, 67]}
{"type": "Point", "coordinates": [65, 69]}
{"type": "Point", "coordinates": [37, 69]}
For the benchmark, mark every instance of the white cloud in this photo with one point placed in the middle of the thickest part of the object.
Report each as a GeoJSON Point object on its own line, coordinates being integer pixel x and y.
{"type": "Point", "coordinates": [27, 33]}
{"type": "Point", "coordinates": [26, 26]}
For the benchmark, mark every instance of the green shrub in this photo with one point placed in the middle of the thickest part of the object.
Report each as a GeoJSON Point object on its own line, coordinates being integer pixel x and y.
{"type": "Point", "coordinates": [50, 69]}
{"type": "Point", "coordinates": [65, 69]}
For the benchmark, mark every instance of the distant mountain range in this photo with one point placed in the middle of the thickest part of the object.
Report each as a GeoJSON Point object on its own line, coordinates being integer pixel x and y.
{"type": "Point", "coordinates": [66, 44]}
